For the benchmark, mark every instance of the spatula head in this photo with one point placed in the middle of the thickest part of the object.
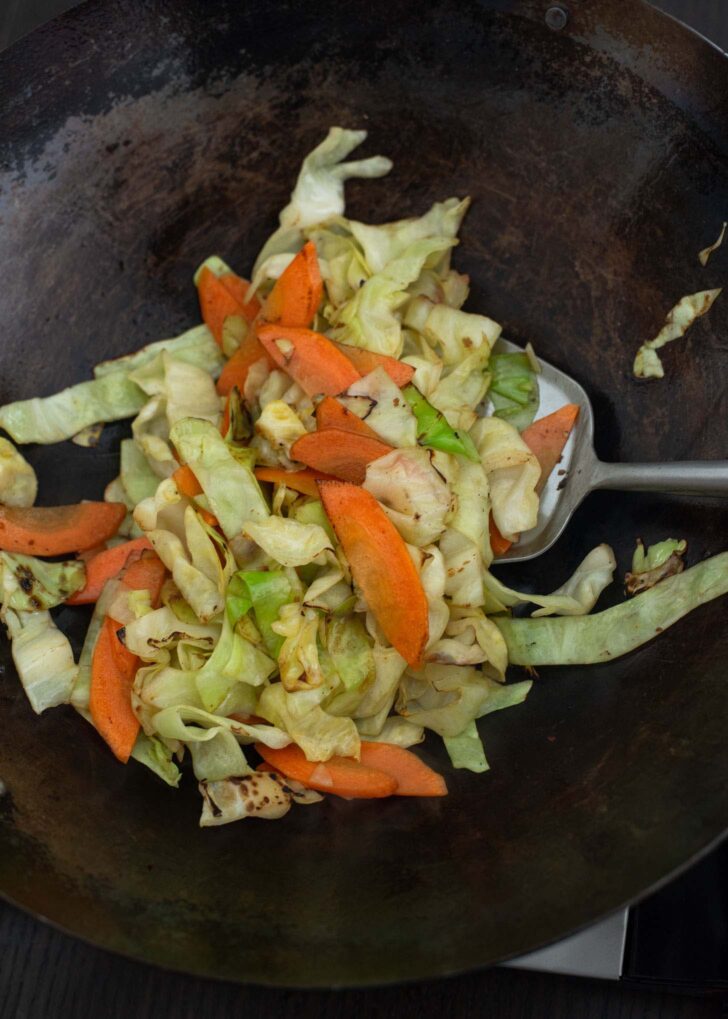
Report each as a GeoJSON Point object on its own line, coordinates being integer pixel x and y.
{"type": "Point", "coordinates": [570, 482]}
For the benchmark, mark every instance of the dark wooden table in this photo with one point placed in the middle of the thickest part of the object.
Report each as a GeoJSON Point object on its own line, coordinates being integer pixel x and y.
{"type": "Point", "coordinates": [48, 975]}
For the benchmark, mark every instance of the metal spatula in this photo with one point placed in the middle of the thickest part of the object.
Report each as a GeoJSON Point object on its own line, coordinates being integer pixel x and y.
{"type": "Point", "coordinates": [580, 472]}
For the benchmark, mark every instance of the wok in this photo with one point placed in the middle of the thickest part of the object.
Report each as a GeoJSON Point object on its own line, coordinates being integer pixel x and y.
{"type": "Point", "coordinates": [137, 138]}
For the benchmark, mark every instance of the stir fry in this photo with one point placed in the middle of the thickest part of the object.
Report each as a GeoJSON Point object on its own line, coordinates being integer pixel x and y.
{"type": "Point", "coordinates": [291, 575]}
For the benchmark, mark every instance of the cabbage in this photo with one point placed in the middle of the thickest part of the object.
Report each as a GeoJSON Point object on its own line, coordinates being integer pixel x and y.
{"type": "Point", "coordinates": [458, 393]}
{"type": "Point", "coordinates": [230, 486]}
{"type": "Point", "coordinates": [150, 429]}
{"type": "Point", "coordinates": [444, 698]}
{"type": "Point", "coordinates": [382, 244]}
{"type": "Point", "coordinates": [464, 569]}
{"type": "Point", "coordinates": [341, 262]}
{"type": "Point", "coordinates": [347, 642]}
{"type": "Point", "coordinates": [187, 390]}
{"type": "Point", "coordinates": [257, 795]}
{"type": "Point", "coordinates": [647, 363]}
{"type": "Point", "coordinates": [153, 754]}
{"type": "Point", "coordinates": [576, 597]}
{"type": "Point", "coordinates": [466, 749]}
{"type": "Point", "coordinates": [137, 477]}
{"type": "Point", "coordinates": [369, 319]}
{"type": "Point", "coordinates": [18, 483]}
{"type": "Point", "coordinates": [472, 506]}
{"type": "Point", "coordinates": [43, 658]}
{"type": "Point", "coordinates": [471, 638]}
{"type": "Point", "coordinates": [218, 758]}
{"type": "Point", "coordinates": [431, 568]}
{"type": "Point", "coordinates": [153, 633]}
{"type": "Point", "coordinates": [379, 400]}
{"type": "Point", "coordinates": [395, 730]}
{"type": "Point", "coordinates": [187, 724]}
{"type": "Point", "coordinates": [455, 333]}
{"type": "Point", "coordinates": [412, 493]}
{"type": "Point", "coordinates": [513, 473]}
{"type": "Point", "coordinates": [651, 566]}
{"type": "Point", "coordinates": [319, 191]}
{"type": "Point", "coordinates": [234, 659]}
{"type": "Point", "coordinates": [280, 425]}
{"type": "Point", "coordinates": [196, 569]}
{"type": "Point", "coordinates": [266, 592]}
{"type": "Point", "coordinates": [298, 659]}
{"type": "Point", "coordinates": [377, 700]}
{"type": "Point", "coordinates": [513, 389]}
{"type": "Point", "coordinates": [433, 429]}
{"type": "Point", "coordinates": [61, 416]}
{"type": "Point", "coordinates": [197, 346]}
{"type": "Point", "coordinates": [319, 734]}
{"type": "Point", "coordinates": [617, 630]}
{"type": "Point", "coordinates": [288, 541]}
{"type": "Point", "coordinates": [82, 681]}
{"type": "Point", "coordinates": [31, 585]}
{"type": "Point", "coordinates": [705, 254]}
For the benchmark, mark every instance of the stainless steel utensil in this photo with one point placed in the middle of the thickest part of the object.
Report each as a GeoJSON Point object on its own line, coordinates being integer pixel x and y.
{"type": "Point", "coordinates": [580, 472]}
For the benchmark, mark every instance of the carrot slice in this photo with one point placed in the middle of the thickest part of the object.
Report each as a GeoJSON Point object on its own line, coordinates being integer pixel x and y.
{"type": "Point", "coordinates": [381, 566]}
{"type": "Point", "coordinates": [296, 295]}
{"type": "Point", "coordinates": [342, 776]}
{"type": "Point", "coordinates": [330, 413]}
{"type": "Point", "coordinates": [299, 481]}
{"type": "Point", "coordinates": [547, 438]}
{"type": "Point", "coordinates": [238, 287]}
{"type": "Point", "coordinates": [220, 297]}
{"type": "Point", "coordinates": [309, 358]}
{"type": "Point", "coordinates": [343, 454]}
{"type": "Point", "coordinates": [366, 361]}
{"type": "Point", "coordinates": [236, 369]}
{"type": "Point", "coordinates": [498, 543]}
{"type": "Point", "coordinates": [185, 480]}
{"type": "Point", "coordinates": [113, 667]}
{"type": "Point", "coordinates": [146, 574]}
{"type": "Point", "coordinates": [56, 530]}
{"type": "Point", "coordinates": [112, 674]}
{"type": "Point", "coordinates": [413, 777]}
{"type": "Point", "coordinates": [105, 565]}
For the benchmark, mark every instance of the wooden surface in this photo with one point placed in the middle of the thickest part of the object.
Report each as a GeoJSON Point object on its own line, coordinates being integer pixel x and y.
{"type": "Point", "coordinates": [47, 975]}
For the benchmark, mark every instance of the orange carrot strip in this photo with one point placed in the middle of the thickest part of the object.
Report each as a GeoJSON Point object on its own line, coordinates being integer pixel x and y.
{"type": "Point", "coordinates": [220, 297]}
{"type": "Point", "coordinates": [547, 438]}
{"type": "Point", "coordinates": [56, 530]}
{"type": "Point", "coordinates": [105, 565]}
{"type": "Point", "coordinates": [296, 295]}
{"type": "Point", "coordinates": [112, 674]}
{"type": "Point", "coordinates": [498, 543]}
{"type": "Point", "coordinates": [113, 667]}
{"type": "Point", "coordinates": [330, 413]}
{"type": "Point", "coordinates": [342, 454]}
{"type": "Point", "coordinates": [413, 777]}
{"type": "Point", "coordinates": [146, 574]}
{"type": "Point", "coordinates": [236, 369]}
{"type": "Point", "coordinates": [309, 358]}
{"type": "Point", "coordinates": [238, 288]}
{"type": "Point", "coordinates": [342, 776]}
{"type": "Point", "coordinates": [381, 566]}
{"type": "Point", "coordinates": [185, 480]}
{"type": "Point", "coordinates": [299, 481]}
{"type": "Point", "coordinates": [366, 361]}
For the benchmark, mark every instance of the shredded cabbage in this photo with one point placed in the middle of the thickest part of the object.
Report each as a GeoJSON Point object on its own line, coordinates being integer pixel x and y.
{"type": "Point", "coordinates": [647, 363]}
{"type": "Point", "coordinates": [18, 483]}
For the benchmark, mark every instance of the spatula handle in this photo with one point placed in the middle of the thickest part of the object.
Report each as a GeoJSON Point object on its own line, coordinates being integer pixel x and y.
{"type": "Point", "coordinates": [697, 477]}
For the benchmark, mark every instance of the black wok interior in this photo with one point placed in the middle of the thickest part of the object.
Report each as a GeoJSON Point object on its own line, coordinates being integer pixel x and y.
{"type": "Point", "coordinates": [136, 139]}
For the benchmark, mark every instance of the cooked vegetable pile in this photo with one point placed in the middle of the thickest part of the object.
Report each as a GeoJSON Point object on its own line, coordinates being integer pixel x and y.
{"type": "Point", "coordinates": [296, 554]}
